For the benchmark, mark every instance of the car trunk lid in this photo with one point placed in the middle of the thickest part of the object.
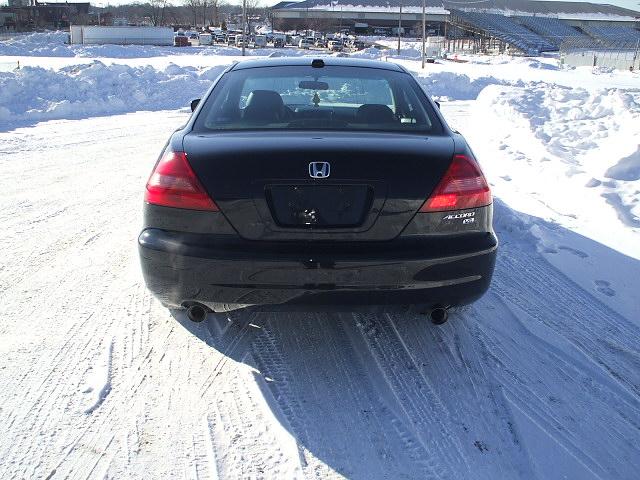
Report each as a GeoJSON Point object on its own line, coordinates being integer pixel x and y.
{"type": "Point", "coordinates": [318, 185]}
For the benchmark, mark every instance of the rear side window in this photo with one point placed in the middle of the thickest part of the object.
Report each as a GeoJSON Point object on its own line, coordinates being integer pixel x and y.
{"type": "Point", "coordinates": [329, 98]}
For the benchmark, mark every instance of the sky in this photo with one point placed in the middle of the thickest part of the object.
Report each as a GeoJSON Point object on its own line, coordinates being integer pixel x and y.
{"type": "Point", "coordinates": [632, 4]}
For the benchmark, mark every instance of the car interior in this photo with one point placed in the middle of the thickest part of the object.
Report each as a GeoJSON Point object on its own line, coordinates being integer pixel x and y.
{"type": "Point", "coordinates": [314, 104]}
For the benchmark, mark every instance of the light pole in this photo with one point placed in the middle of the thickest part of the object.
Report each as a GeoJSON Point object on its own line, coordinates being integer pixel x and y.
{"type": "Point", "coordinates": [424, 30]}
{"type": "Point", "coordinates": [244, 24]}
{"type": "Point", "coordinates": [399, 28]}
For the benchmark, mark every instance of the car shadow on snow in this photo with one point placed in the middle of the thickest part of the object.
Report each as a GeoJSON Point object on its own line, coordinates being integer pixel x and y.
{"type": "Point", "coordinates": [525, 383]}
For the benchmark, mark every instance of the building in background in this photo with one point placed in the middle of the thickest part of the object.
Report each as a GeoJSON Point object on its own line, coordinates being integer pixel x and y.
{"type": "Point", "coordinates": [33, 15]}
{"type": "Point", "coordinates": [379, 16]}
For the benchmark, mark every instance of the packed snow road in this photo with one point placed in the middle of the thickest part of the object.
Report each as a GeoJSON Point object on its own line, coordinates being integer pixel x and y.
{"type": "Point", "coordinates": [539, 379]}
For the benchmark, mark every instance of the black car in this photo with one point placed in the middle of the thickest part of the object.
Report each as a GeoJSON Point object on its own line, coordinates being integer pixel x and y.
{"type": "Point", "coordinates": [330, 184]}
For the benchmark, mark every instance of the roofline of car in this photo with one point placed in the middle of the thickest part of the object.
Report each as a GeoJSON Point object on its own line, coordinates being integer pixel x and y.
{"type": "Point", "coordinates": [307, 61]}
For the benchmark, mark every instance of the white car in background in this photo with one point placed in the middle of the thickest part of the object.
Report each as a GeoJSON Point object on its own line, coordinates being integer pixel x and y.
{"type": "Point", "coordinates": [305, 43]}
{"type": "Point", "coordinates": [335, 46]}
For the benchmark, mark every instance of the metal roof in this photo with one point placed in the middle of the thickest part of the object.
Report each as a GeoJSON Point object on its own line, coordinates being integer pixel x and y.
{"type": "Point", "coordinates": [524, 6]}
{"type": "Point", "coordinates": [329, 61]}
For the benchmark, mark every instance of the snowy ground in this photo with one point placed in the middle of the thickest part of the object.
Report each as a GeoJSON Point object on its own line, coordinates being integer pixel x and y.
{"type": "Point", "coordinates": [539, 379]}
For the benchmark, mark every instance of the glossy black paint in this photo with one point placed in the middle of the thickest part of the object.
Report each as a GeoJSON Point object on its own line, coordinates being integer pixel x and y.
{"type": "Point", "coordinates": [226, 272]}
{"type": "Point", "coordinates": [245, 255]}
{"type": "Point", "coordinates": [401, 170]}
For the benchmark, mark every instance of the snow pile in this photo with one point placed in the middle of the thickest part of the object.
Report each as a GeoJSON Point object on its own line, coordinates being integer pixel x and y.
{"type": "Point", "coordinates": [626, 169]}
{"type": "Point", "coordinates": [540, 63]}
{"type": "Point", "coordinates": [34, 94]}
{"type": "Point", "coordinates": [389, 47]}
{"type": "Point", "coordinates": [55, 44]}
{"type": "Point", "coordinates": [47, 44]}
{"type": "Point", "coordinates": [580, 148]}
{"type": "Point", "coordinates": [456, 86]}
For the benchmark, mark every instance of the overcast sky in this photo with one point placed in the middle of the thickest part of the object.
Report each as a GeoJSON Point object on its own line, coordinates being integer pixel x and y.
{"type": "Point", "coordinates": [633, 4]}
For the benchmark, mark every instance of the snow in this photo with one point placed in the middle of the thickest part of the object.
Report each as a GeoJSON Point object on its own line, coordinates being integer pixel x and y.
{"type": "Point", "coordinates": [627, 168]}
{"type": "Point", "coordinates": [35, 94]}
{"type": "Point", "coordinates": [538, 379]}
{"type": "Point", "coordinates": [567, 137]}
{"type": "Point", "coordinates": [55, 44]}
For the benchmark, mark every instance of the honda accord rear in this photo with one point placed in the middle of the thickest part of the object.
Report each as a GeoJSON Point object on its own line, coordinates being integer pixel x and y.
{"type": "Point", "coordinates": [327, 184]}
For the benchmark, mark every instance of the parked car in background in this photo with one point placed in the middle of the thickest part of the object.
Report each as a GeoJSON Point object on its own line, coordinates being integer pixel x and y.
{"type": "Point", "coordinates": [205, 39]}
{"type": "Point", "coordinates": [273, 196]}
{"type": "Point", "coordinates": [305, 43]}
{"type": "Point", "coordinates": [220, 38]}
{"type": "Point", "coordinates": [231, 40]}
{"type": "Point", "coordinates": [278, 42]}
{"type": "Point", "coordinates": [335, 45]}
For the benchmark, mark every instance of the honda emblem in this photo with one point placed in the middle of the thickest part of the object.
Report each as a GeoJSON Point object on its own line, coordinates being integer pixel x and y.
{"type": "Point", "coordinates": [319, 169]}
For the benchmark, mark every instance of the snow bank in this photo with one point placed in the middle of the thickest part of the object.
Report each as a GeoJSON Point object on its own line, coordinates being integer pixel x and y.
{"type": "Point", "coordinates": [34, 94]}
{"type": "Point", "coordinates": [580, 148]}
{"type": "Point", "coordinates": [572, 123]}
{"type": "Point", "coordinates": [54, 44]}
{"type": "Point", "coordinates": [388, 47]}
{"type": "Point", "coordinates": [457, 86]}
{"type": "Point", "coordinates": [48, 44]}
{"type": "Point", "coordinates": [626, 169]}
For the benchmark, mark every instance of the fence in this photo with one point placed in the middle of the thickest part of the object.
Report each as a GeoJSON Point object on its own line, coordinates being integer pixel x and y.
{"type": "Point", "coordinates": [617, 54]}
{"type": "Point", "coordinates": [7, 35]}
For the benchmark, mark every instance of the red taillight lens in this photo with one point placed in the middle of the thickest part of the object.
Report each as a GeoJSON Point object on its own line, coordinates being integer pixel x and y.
{"type": "Point", "coordinates": [174, 184]}
{"type": "Point", "coordinates": [463, 186]}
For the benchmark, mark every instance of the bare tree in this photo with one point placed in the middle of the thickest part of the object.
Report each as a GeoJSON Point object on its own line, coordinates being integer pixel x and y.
{"type": "Point", "coordinates": [211, 16]}
{"type": "Point", "coordinates": [194, 7]}
{"type": "Point", "coordinates": [157, 10]}
{"type": "Point", "coordinates": [215, 13]}
{"type": "Point", "coordinates": [205, 4]}
{"type": "Point", "coordinates": [251, 9]}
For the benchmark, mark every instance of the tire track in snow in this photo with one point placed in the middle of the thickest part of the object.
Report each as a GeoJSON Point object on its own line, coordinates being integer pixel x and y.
{"type": "Point", "coordinates": [587, 415]}
{"type": "Point", "coordinates": [316, 362]}
{"type": "Point", "coordinates": [415, 396]}
{"type": "Point", "coordinates": [454, 363]}
{"type": "Point", "coordinates": [609, 340]}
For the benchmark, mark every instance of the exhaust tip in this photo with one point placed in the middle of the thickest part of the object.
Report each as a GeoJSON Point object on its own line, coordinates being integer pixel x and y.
{"type": "Point", "coordinates": [439, 315]}
{"type": "Point", "coordinates": [197, 313]}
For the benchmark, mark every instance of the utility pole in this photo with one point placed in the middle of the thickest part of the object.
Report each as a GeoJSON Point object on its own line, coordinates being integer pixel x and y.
{"type": "Point", "coordinates": [424, 30]}
{"type": "Point", "coordinates": [399, 28]}
{"type": "Point", "coordinates": [244, 24]}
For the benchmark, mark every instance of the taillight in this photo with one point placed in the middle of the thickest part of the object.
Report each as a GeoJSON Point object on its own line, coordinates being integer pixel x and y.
{"type": "Point", "coordinates": [174, 184]}
{"type": "Point", "coordinates": [463, 186]}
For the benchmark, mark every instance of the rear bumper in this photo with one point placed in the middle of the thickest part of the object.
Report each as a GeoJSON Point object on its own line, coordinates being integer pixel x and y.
{"type": "Point", "coordinates": [224, 272]}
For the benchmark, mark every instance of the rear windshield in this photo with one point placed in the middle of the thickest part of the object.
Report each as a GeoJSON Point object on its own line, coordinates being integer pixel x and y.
{"type": "Point", "coordinates": [328, 98]}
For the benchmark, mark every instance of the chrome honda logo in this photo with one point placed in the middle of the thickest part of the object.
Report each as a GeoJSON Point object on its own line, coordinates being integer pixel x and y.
{"type": "Point", "coordinates": [319, 169]}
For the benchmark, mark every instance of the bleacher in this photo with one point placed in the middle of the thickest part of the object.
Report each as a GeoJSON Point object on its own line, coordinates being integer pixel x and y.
{"type": "Point", "coordinates": [506, 30]}
{"type": "Point", "coordinates": [454, 32]}
{"type": "Point", "coordinates": [552, 29]}
{"type": "Point", "coordinates": [614, 34]}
